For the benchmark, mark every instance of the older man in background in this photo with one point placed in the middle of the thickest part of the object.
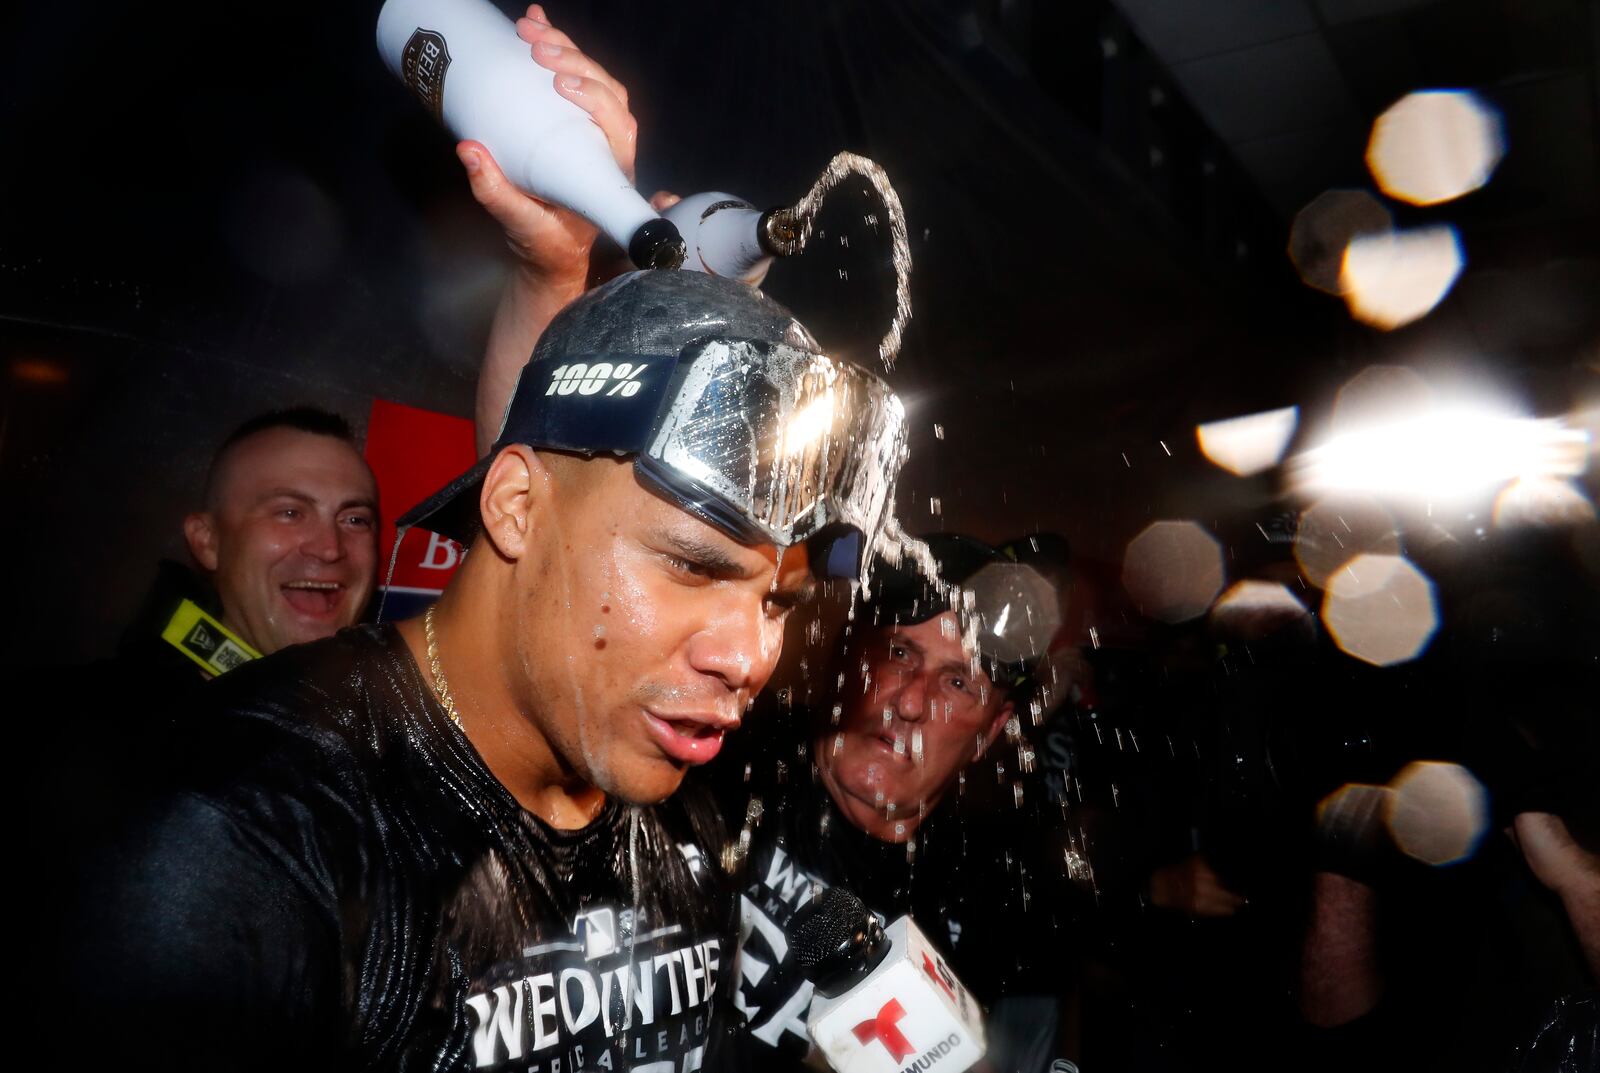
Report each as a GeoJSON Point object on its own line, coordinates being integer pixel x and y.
{"type": "Point", "coordinates": [926, 684]}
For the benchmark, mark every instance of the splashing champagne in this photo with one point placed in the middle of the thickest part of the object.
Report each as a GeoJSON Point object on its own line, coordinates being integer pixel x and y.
{"type": "Point", "coordinates": [727, 236]}
{"type": "Point", "coordinates": [464, 61]}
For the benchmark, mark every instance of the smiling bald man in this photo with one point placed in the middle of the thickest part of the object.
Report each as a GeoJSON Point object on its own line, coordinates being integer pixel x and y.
{"type": "Point", "coordinates": [283, 550]}
{"type": "Point", "coordinates": [288, 533]}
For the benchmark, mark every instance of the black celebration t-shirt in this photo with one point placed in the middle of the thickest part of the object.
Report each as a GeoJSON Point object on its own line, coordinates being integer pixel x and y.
{"type": "Point", "coordinates": [327, 876]}
{"type": "Point", "coordinates": [957, 894]}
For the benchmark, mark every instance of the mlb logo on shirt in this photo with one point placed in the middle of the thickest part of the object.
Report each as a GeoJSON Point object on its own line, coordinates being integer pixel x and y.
{"type": "Point", "coordinates": [597, 931]}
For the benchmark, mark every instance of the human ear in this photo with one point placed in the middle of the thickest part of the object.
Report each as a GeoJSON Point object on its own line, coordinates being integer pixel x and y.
{"type": "Point", "coordinates": [998, 724]}
{"type": "Point", "coordinates": [515, 491]}
{"type": "Point", "coordinates": [200, 533]}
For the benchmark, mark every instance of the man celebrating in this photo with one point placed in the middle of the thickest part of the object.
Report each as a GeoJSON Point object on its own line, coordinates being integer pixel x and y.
{"type": "Point", "coordinates": [287, 532]}
{"type": "Point", "coordinates": [451, 843]}
{"type": "Point", "coordinates": [931, 678]}
{"type": "Point", "coordinates": [286, 536]}
{"type": "Point", "coordinates": [286, 543]}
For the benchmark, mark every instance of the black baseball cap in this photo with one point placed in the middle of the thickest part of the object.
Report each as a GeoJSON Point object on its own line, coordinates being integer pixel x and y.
{"type": "Point", "coordinates": [1006, 602]}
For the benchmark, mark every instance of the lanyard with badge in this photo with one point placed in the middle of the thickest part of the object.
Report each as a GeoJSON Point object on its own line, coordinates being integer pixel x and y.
{"type": "Point", "coordinates": [205, 640]}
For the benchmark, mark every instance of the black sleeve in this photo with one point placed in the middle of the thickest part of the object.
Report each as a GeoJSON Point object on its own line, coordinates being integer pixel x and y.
{"type": "Point", "coordinates": [199, 941]}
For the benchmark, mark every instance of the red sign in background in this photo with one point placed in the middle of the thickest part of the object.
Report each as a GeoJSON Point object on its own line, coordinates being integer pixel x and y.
{"type": "Point", "coordinates": [414, 453]}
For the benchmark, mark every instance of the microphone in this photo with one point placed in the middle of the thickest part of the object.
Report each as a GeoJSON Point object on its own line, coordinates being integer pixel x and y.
{"type": "Point", "coordinates": [464, 61]}
{"type": "Point", "coordinates": [885, 1001]}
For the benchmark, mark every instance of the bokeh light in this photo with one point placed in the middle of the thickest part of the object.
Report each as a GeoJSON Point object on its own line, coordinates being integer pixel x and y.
{"type": "Point", "coordinates": [1438, 813]}
{"type": "Point", "coordinates": [1247, 445]}
{"type": "Point", "coordinates": [1335, 530]}
{"type": "Point", "coordinates": [1253, 609]}
{"type": "Point", "coordinates": [1173, 570]}
{"type": "Point", "coordinates": [1541, 502]}
{"type": "Point", "coordinates": [1434, 146]}
{"type": "Point", "coordinates": [1380, 394]}
{"type": "Point", "coordinates": [1017, 609]}
{"type": "Point", "coordinates": [1324, 228]}
{"type": "Point", "coordinates": [1352, 818]}
{"type": "Point", "coordinates": [39, 371]}
{"type": "Point", "coordinates": [1392, 279]}
{"type": "Point", "coordinates": [1380, 609]}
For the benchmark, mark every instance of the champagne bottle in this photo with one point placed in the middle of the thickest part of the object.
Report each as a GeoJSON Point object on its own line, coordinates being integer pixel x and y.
{"type": "Point", "coordinates": [727, 236]}
{"type": "Point", "coordinates": [464, 61]}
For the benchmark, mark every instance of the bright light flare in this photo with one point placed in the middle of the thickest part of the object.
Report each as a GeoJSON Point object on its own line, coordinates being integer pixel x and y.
{"type": "Point", "coordinates": [1436, 145]}
{"type": "Point", "coordinates": [1438, 813]}
{"type": "Point", "coordinates": [1392, 279]}
{"type": "Point", "coordinates": [809, 424]}
{"type": "Point", "coordinates": [1248, 445]}
{"type": "Point", "coordinates": [1443, 455]}
{"type": "Point", "coordinates": [1380, 609]}
{"type": "Point", "coordinates": [1173, 570]}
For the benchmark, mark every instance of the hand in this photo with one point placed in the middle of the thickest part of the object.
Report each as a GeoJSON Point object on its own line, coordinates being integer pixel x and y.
{"type": "Point", "coordinates": [1191, 887]}
{"type": "Point", "coordinates": [553, 243]}
{"type": "Point", "coordinates": [1553, 854]}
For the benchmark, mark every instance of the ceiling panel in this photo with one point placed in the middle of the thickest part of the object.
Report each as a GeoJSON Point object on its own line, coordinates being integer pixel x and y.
{"type": "Point", "coordinates": [1379, 62]}
{"type": "Point", "coordinates": [1187, 31]}
{"type": "Point", "coordinates": [1294, 167]}
{"type": "Point", "coordinates": [1338, 11]}
{"type": "Point", "coordinates": [1268, 89]}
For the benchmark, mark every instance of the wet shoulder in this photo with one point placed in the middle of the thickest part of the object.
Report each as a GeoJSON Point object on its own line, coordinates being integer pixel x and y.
{"type": "Point", "coordinates": [312, 713]}
{"type": "Point", "coordinates": [345, 684]}
{"type": "Point", "coordinates": [275, 764]}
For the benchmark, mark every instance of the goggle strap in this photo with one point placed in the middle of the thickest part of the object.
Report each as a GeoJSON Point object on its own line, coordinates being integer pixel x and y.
{"type": "Point", "coordinates": [592, 403]}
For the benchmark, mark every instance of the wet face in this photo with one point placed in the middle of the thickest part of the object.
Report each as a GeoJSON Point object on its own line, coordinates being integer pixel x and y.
{"type": "Point", "coordinates": [918, 712]}
{"type": "Point", "coordinates": [643, 632]}
{"type": "Point", "coordinates": [289, 537]}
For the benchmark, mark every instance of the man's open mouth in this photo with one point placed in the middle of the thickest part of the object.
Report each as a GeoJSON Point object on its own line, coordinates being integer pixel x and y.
{"type": "Point", "coordinates": [690, 741]}
{"type": "Point", "coordinates": [315, 598]}
{"type": "Point", "coordinates": [899, 746]}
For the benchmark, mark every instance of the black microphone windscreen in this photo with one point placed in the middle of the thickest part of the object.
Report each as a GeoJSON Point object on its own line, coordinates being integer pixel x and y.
{"type": "Point", "coordinates": [824, 926]}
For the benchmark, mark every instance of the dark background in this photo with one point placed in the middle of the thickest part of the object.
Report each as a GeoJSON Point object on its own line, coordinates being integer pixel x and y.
{"type": "Point", "coordinates": [214, 210]}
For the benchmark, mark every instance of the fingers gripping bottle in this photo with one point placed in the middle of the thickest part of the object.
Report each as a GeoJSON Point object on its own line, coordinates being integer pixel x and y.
{"type": "Point", "coordinates": [464, 61]}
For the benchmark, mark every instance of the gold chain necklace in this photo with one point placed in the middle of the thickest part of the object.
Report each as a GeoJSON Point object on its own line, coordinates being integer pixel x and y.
{"type": "Point", "coordinates": [441, 685]}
